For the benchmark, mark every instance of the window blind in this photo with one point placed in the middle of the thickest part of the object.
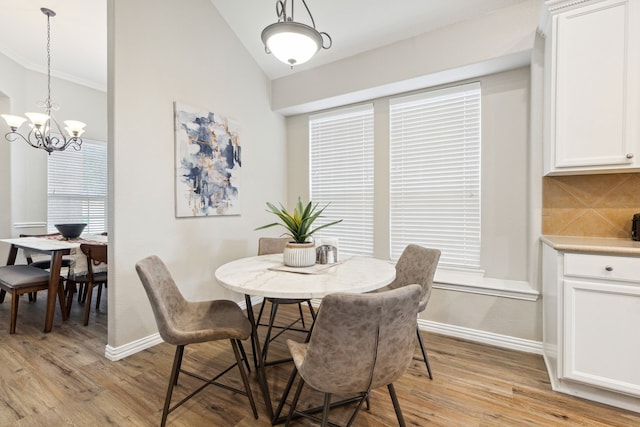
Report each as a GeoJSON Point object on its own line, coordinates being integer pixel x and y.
{"type": "Point", "coordinates": [77, 187]}
{"type": "Point", "coordinates": [341, 174]}
{"type": "Point", "coordinates": [435, 173]}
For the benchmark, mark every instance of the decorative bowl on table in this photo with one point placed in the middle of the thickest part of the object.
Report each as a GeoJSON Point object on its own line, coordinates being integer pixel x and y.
{"type": "Point", "coordinates": [70, 231]}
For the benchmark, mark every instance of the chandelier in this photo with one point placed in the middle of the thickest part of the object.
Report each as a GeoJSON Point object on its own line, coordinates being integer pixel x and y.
{"type": "Point", "coordinates": [41, 125]}
{"type": "Point", "coordinates": [293, 42]}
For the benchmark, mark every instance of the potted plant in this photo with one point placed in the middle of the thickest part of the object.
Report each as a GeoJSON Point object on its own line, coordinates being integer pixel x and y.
{"type": "Point", "coordinates": [300, 252]}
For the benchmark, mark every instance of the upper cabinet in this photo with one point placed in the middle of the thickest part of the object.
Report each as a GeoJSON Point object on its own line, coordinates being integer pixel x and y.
{"type": "Point", "coordinates": [592, 95]}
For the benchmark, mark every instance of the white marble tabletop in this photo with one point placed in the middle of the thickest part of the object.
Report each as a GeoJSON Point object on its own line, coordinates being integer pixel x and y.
{"type": "Point", "coordinates": [254, 276]}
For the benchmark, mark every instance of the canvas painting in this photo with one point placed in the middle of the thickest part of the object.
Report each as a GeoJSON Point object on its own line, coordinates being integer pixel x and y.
{"type": "Point", "coordinates": [208, 163]}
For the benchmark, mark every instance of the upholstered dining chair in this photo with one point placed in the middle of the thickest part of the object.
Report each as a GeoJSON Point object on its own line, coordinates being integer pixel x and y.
{"type": "Point", "coordinates": [275, 245]}
{"type": "Point", "coordinates": [22, 279]}
{"type": "Point", "coordinates": [181, 322]}
{"type": "Point", "coordinates": [95, 254]}
{"type": "Point", "coordinates": [359, 342]}
{"type": "Point", "coordinates": [417, 265]}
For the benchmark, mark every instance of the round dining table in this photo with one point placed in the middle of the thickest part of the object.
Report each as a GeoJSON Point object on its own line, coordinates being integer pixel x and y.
{"type": "Point", "coordinates": [267, 276]}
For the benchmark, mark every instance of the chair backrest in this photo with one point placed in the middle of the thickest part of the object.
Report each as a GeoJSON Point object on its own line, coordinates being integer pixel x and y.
{"type": "Point", "coordinates": [164, 296]}
{"type": "Point", "coordinates": [417, 265]}
{"type": "Point", "coordinates": [361, 341]}
{"type": "Point", "coordinates": [96, 255]}
{"type": "Point", "coordinates": [272, 245]}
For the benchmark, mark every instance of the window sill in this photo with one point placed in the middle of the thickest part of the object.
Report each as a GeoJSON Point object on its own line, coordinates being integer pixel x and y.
{"type": "Point", "coordinates": [453, 280]}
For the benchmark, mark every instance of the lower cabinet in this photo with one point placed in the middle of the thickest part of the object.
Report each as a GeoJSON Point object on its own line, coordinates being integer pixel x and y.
{"type": "Point", "coordinates": [591, 325]}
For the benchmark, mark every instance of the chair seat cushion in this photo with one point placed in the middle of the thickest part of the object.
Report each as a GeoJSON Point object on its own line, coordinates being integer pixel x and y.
{"type": "Point", "coordinates": [17, 276]}
{"type": "Point", "coordinates": [46, 263]}
{"type": "Point", "coordinates": [97, 277]}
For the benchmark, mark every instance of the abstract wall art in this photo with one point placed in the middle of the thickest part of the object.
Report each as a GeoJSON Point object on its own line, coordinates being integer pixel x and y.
{"type": "Point", "coordinates": [208, 163]}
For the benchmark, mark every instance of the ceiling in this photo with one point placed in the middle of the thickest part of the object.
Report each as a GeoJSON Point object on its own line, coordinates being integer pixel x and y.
{"type": "Point", "coordinates": [79, 30]}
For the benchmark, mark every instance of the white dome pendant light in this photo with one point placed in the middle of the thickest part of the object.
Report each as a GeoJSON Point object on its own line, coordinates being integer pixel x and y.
{"type": "Point", "coordinates": [292, 42]}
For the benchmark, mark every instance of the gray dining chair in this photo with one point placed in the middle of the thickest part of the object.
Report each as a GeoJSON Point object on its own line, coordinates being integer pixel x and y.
{"type": "Point", "coordinates": [24, 279]}
{"type": "Point", "coordinates": [359, 342]}
{"type": "Point", "coordinates": [417, 265]}
{"type": "Point", "coordinates": [275, 245]}
{"type": "Point", "coordinates": [181, 322]}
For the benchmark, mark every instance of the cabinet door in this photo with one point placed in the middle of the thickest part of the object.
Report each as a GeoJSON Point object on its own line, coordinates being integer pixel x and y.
{"type": "Point", "coordinates": [592, 87]}
{"type": "Point", "coordinates": [601, 339]}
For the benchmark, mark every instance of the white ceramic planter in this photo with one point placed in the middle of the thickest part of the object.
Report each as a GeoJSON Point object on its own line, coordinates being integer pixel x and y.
{"type": "Point", "coordinates": [299, 254]}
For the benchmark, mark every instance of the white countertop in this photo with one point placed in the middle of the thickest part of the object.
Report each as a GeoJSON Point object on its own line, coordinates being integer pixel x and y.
{"type": "Point", "coordinates": [593, 244]}
{"type": "Point", "coordinates": [255, 276]}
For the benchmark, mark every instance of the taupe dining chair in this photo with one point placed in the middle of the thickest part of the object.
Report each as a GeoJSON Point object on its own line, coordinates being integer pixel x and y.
{"type": "Point", "coordinates": [359, 342]}
{"type": "Point", "coordinates": [275, 245]}
{"type": "Point", "coordinates": [417, 265]}
{"type": "Point", "coordinates": [181, 322]}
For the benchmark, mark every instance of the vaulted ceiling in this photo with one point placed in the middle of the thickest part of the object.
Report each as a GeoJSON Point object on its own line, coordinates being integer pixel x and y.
{"type": "Point", "coordinates": [79, 30]}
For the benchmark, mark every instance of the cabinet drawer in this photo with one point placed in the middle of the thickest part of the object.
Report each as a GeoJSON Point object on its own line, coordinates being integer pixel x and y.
{"type": "Point", "coordinates": [603, 267]}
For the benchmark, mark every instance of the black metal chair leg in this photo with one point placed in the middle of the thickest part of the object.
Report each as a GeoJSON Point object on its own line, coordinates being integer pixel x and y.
{"type": "Point", "coordinates": [396, 405]}
{"type": "Point", "coordinates": [244, 356]}
{"type": "Point", "coordinates": [424, 353]}
{"type": "Point", "coordinates": [177, 360]}
{"type": "Point", "coordinates": [264, 302]}
{"type": "Point", "coordinates": [294, 402]}
{"type": "Point", "coordinates": [301, 315]}
{"type": "Point", "coordinates": [245, 380]}
{"type": "Point", "coordinates": [265, 347]}
{"type": "Point", "coordinates": [325, 410]}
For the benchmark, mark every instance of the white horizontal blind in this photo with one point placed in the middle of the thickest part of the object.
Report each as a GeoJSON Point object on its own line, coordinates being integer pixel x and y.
{"type": "Point", "coordinates": [341, 174]}
{"type": "Point", "coordinates": [435, 174]}
{"type": "Point", "coordinates": [77, 187]}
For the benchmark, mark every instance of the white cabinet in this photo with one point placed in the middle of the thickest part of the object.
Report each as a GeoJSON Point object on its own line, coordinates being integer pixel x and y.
{"type": "Point", "coordinates": [591, 86]}
{"type": "Point", "coordinates": [591, 317]}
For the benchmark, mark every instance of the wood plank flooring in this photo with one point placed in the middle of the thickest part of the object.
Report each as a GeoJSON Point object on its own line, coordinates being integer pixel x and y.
{"type": "Point", "coordinates": [62, 378]}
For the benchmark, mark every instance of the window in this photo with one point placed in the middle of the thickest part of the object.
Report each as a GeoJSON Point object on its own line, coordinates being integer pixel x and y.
{"type": "Point", "coordinates": [341, 174]}
{"type": "Point", "coordinates": [77, 187]}
{"type": "Point", "coordinates": [435, 174]}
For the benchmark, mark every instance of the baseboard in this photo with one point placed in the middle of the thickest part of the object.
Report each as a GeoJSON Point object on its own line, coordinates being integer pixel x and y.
{"type": "Point", "coordinates": [504, 341]}
{"type": "Point", "coordinates": [117, 353]}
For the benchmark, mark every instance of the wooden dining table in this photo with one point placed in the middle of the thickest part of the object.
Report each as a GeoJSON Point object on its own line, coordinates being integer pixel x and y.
{"type": "Point", "coordinates": [266, 276]}
{"type": "Point", "coordinates": [56, 248]}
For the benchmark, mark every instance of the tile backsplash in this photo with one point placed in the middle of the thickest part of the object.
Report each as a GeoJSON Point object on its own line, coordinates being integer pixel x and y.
{"type": "Point", "coordinates": [590, 205]}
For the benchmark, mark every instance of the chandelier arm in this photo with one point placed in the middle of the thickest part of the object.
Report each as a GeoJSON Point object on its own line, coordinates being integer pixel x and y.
{"type": "Point", "coordinates": [281, 10]}
{"type": "Point", "coordinates": [313, 22]}
{"type": "Point", "coordinates": [322, 34]}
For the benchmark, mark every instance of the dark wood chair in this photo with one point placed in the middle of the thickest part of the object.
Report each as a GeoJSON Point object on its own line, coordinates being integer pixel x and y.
{"type": "Point", "coordinates": [96, 254]}
{"type": "Point", "coordinates": [22, 279]}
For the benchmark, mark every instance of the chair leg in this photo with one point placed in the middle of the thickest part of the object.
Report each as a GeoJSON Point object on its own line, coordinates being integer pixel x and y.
{"type": "Point", "coordinates": [98, 296]}
{"type": "Point", "coordinates": [63, 305]}
{"type": "Point", "coordinates": [296, 396]}
{"type": "Point", "coordinates": [244, 356]}
{"type": "Point", "coordinates": [301, 315]}
{"type": "Point", "coordinates": [396, 405]}
{"type": "Point", "coordinates": [87, 303]}
{"type": "Point", "coordinates": [313, 312]}
{"type": "Point", "coordinates": [264, 302]}
{"type": "Point", "coordinates": [265, 347]}
{"type": "Point", "coordinates": [325, 409]}
{"type": "Point", "coordinates": [3, 293]}
{"type": "Point", "coordinates": [71, 288]}
{"type": "Point", "coordinates": [245, 380]}
{"type": "Point", "coordinates": [15, 298]}
{"type": "Point", "coordinates": [177, 361]}
{"type": "Point", "coordinates": [424, 353]}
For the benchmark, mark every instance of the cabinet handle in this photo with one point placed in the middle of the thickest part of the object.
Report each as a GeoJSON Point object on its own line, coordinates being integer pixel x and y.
{"type": "Point", "coordinates": [629, 155]}
{"type": "Point", "coordinates": [608, 268]}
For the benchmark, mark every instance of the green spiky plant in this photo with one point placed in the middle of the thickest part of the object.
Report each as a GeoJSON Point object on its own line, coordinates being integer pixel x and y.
{"type": "Point", "coordinates": [298, 223]}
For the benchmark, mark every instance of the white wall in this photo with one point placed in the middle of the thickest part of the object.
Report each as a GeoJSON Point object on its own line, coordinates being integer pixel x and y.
{"type": "Point", "coordinates": [185, 54]}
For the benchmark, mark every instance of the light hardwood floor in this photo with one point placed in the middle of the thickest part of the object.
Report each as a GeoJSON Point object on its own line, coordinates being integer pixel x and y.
{"type": "Point", "coordinates": [62, 378]}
